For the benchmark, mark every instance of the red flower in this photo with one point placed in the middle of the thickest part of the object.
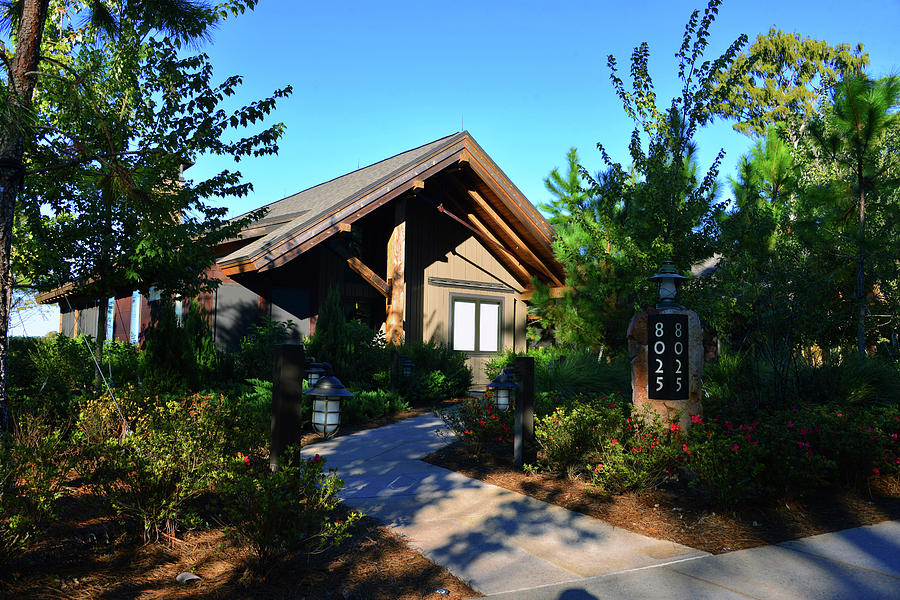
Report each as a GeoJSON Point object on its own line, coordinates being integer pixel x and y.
{"type": "Point", "coordinates": [876, 471]}
{"type": "Point", "coordinates": [696, 419]}
{"type": "Point", "coordinates": [790, 424]}
{"type": "Point", "coordinates": [614, 441]}
{"type": "Point", "coordinates": [735, 448]}
{"type": "Point", "coordinates": [674, 427]}
{"type": "Point", "coordinates": [685, 448]}
{"type": "Point", "coordinates": [317, 458]}
{"type": "Point", "coordinates": [246, 460]}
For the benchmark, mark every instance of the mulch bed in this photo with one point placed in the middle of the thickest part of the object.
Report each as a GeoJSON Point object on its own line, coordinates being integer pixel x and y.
{"type": "Point", "coordinates": [676, 512]}
{"type": "Point", "coordinates": [90, 555]}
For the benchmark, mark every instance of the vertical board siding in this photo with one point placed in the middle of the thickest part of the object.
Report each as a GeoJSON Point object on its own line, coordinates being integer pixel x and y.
{"type": "Point", "coordinates": [444, 249]}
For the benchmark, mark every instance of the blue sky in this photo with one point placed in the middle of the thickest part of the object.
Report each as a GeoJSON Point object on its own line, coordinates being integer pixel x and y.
{"type": "Point", "coordinates": [528, 79]}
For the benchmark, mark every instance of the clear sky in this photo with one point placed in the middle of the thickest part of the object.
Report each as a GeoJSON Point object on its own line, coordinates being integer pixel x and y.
{"type": "Point", "coordinates": [527, 78]}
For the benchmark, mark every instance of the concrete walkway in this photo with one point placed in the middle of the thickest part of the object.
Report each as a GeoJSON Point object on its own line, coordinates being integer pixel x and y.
{"type": "Point", "coordinates": [509, 546]}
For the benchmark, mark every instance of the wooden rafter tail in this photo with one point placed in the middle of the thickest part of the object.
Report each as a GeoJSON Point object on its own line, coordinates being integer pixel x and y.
{"type": "Point", "coordinates": [361, 269]}
{"type": "Point", "coordinates": [502, 227]}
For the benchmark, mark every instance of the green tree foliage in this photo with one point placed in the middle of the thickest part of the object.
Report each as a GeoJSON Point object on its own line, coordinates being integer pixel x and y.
{"type": "Point", "coordinates": [628, 221]}
{"type": "Point", "coordinates": [33, 54]}
{"type": "Point", "coordinates": [783, 77]}
{"type": "Point", "coordinates": [857, 186]}
{"type": "Point", "coordinates": [127, 115]}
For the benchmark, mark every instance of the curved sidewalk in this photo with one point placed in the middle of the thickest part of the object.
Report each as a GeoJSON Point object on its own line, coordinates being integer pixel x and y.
{"type": "Point", "coordinates": [508, 545]}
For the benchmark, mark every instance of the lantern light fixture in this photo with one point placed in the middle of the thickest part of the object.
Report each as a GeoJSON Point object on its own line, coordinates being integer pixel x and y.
{"type": "Point", "coordinates": [406, 366]}
{"type": "Point", "coordinates": [327, 395]}
{"type": "Point", "coordinates": [667, 281]}
{"type": "Point", "coordinates": [504, 386]}
{"type": "Point", "coordinates": [314, 372]}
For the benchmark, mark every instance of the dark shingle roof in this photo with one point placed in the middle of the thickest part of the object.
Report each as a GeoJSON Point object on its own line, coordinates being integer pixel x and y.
{"type": "Point", "coordinates": [302, 209]}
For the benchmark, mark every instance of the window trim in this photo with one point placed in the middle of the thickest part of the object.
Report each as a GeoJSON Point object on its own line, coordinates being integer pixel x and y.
{"type": "Point", "coordinates": [478, 300]}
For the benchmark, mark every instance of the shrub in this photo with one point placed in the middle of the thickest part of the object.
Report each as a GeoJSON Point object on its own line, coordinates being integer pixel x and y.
{"type": "Point", "coordinates": [33, 468]}
{"type": "Point", "coordinates": [574, 432]}
{"type": "Point", "coordinates": [477, 422]}
{"type": "Point", "coordinates": [256, 357]}
{"type": "Point", "coordinates": [366, 405]}
{"type": "Point", "coordinates": [290, 509]}
{"type": "Point", "coordinates": [171, 457]}
{"type": "Point", "coordinates": [440, 372]}
{"type": "Point", "coordinates": [567, 377]}
{"type": "Point", "coordinates": [179, 355]}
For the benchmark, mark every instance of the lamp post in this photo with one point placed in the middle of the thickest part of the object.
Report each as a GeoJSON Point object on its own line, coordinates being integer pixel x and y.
{"type": "Point", "coordinates": [504, 386]}
{"type": "Point", "coordinates": [327, 395]}
{"type": "Point", "coordinates": [667, 281]}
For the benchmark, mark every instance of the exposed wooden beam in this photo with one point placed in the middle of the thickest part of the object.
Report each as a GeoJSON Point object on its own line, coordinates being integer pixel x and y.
{"type": "Point", "coordinates": [522, 274]}
{"type": "Point", "coordinates": [370, 276]}
{"type": "Point", "coordinates": [360, 268]}
{"type": "Point", "coordinates": [295, 244]}
{"type": "Point", "coordinates": [517, 244]}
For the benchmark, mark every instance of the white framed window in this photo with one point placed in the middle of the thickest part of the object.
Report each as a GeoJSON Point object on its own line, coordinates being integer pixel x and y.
{"type": "Point", "coordinates": [475, 324]}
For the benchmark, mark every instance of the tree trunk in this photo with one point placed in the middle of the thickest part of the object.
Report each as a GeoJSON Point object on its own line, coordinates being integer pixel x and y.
{"type": "Point", "coordinates": [860, 270]}
{"type": "Point", "coordinates": [12, 143]}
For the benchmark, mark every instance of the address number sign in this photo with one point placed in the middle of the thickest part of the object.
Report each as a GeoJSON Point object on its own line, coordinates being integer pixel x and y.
{"type": "Point", "coordinates": [667, 353]}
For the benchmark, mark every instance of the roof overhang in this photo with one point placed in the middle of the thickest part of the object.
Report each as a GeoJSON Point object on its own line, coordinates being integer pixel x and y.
{"type": "Point", "coordinates": [284, 243]}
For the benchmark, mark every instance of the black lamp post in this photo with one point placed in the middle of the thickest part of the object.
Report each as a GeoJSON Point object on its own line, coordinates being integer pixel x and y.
{"type": "Point", "coordinates": [667, 281]}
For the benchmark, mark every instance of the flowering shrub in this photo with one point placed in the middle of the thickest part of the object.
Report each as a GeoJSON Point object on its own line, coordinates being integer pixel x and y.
{"type": "Point", "coordinates": [738, 454]}
{"type": "Point", "coordinates": [477, 421]}
{"type": "Point", "coordinates": [638, 454]}
{"type": "Point", "coordinates": [575, 431]}
{"type": "Point", "coordinates": [289, 509]}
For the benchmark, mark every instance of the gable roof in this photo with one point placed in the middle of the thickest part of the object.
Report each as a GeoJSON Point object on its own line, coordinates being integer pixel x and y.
{"type": "Point", "coordinates": [300, 221]}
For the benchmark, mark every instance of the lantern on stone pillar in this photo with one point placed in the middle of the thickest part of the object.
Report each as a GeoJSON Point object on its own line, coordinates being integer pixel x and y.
{"type": "Point", "coordinates": [668, 280]}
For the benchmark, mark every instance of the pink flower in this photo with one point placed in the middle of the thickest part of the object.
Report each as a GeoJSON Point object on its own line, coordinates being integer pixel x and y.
{"type": "Point", "coordinates": [696, 419]}
{"type": "Point", "coordinates": [876, 471]}
{"type": "Point", "coordinates": [317, 458]}
{"type": "Point", "coordinates": [735, 448]}
{"type": "Point", "coordinates": [246, 460]}
{"type": "Point", "coordinates": [790, 424]}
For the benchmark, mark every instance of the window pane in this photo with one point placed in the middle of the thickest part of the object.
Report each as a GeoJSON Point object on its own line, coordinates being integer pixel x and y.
{"type": "Point", "coordinates": [489, 327]}
{"type": "Point", "coordinates": [463, 325]}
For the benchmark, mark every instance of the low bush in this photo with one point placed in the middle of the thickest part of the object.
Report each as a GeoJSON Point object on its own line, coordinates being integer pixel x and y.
{"type": "Point", "coordinates": [477, 422]}
{"type": "Point", "coordinates": [566, 377]}
{"type": "Point", "coordinates": [171, 455]}
{"type": "Point", "coordinates": [366, 405]}
{"type": "Point", "coordinates": [34, 466]}
{"type": "Point", "coordinates": [287, 510]}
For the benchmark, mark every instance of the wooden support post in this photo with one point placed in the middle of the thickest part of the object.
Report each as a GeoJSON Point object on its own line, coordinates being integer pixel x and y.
{"type": "Point", "coordinates": [396, 275]}
{"type": "Point", "coordinates": [524, 450]}
{"type": "Point", "coordinates": [287, 389]}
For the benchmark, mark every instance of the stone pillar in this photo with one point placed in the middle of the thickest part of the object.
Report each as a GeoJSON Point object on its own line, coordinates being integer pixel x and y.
{"type": "Point", "coordinates": [672, 340]}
